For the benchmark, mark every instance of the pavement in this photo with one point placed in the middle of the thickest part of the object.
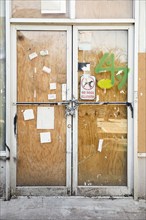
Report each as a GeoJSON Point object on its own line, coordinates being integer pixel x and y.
{"type": "Point", "coordinates": [66, 208]}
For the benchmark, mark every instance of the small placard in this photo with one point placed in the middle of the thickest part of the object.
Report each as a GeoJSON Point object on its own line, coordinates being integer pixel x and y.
{"type": "Point", "coordinates": [28, 114]}
{"type": "Point", "coordinates": [63, 92]}
{"type": "Point", "coordinates": [52, 86]}
{"type": "Point", "coordinates": [51, 96]}
{"type": "Point", "coordinates": [45, 137]}
{"type": "Point", "coordinates": [44, 52]}
{"type": "Point", "coordinates": [87, 89]}
{"type": "Point", "coordinates": [32, 55]}
{"type": "Point", "coordinates": [45, 118]}
{"type": "Point", "coordinates": [53, 6]}
{"type": "Point", "coordinates": [84, 46]}
{"type": "Point", "coordinates": [46, 69]}
{"type": "Point", "coordinates": [100, 143]}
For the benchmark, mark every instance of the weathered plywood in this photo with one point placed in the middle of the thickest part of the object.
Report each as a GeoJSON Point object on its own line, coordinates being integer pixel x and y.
{"type": "Point", "coordinates": [91, 9]}
{"type": "Point", "coordinates": [108, 167]}
{"type": "Point", "coordinates": [106, 122]}
{"type": "Point", "coordinates": [142, 103]}
{"type": "Point", "coordinates": [33, 83]}
{"type": "Point", "coordinates": [40, 164]}
{"type": "Point", "coordinates": [32, 9]}
{"type": "Point", "coordinates": [112, 42]}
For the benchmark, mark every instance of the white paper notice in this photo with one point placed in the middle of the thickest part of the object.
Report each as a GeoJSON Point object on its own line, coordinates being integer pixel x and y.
{"type": "Point", "coordinates": [63, 92]}
{"type": "Point", "coordinates": [100, 145]}
{"type": "Point", "coordinates": [28, 114]}
{"type": "Point", "coordinates": [44, 52]}
{"type": "Point", "coordinates": [45, 137]}
{"type": "Point", "coordinates": [46, 69]}
{"type": "Point", "coordinates": [49, 6]}
{"type": "Point", "coordinates": [45, 118]}
{"type": "Point", "coordinates": [52, 86]}
{"type": "Point", "coordinates": [84, 46]}
{"type": "Point", "coordinates": [32, 55]}
{"type": "Point", "coordinates": [51, 96]}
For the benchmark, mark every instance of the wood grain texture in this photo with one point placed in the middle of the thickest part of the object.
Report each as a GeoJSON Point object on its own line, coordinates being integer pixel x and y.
{"type": "Point", "coordinates": [104, 9]}
{"type": "Point", "coordinates": [142, 103]}
{"type": "Point", "coordinates": [40, 164]}
{"type": "Point", "coordinates": [109, 166]}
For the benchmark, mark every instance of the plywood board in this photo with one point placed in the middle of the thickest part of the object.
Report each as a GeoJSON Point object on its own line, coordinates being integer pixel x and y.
{"type": "Point", "coordinates": [142, 103]}
{"type": "Point", "coordinates": [91, 9]}
{"type": "Point", "coordinates": [40, 164]}
{"type": "Point", "coordinates": [109, 165]}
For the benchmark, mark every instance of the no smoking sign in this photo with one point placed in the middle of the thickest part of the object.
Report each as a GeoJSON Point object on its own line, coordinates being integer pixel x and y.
{"type": "Point", "coordinates": [87, 89]}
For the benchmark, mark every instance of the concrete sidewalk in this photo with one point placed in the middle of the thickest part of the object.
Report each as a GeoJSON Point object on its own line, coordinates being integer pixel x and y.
{"type": "Point", "coordinates": [65, 208]}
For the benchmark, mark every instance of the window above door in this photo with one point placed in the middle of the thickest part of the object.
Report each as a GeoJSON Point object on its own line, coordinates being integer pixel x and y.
{"type": "Point", "coordinates": [83, 9]}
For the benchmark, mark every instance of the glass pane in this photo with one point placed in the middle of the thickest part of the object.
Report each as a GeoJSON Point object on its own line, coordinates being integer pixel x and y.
{"type": "Point", "coordinates": [41, 72]}
{"type": "Point", "coordinates": [2, 75]}
{"type": "Point", "coordinates": [32, 9]}
{"type": "Point", "coordinates": [102, 149]}
{"type": "Point", "coordinates": [103, 55]}
{"type": "Point", "coordinates": [96, 9]}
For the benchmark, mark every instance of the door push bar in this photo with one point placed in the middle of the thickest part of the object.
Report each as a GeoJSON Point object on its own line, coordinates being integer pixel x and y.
{"type": "Point", "coordinates": [75, 103]}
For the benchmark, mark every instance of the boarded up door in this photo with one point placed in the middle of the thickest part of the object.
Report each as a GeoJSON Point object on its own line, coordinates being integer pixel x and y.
{"type": "Point", "coordinates": [102, 118]}
{"type": "Point", "coordinates": [41, 127]}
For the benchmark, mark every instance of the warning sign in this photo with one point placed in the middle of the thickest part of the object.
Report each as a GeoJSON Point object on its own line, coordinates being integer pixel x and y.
{"type": "Point", "coordinates": [87, 90]}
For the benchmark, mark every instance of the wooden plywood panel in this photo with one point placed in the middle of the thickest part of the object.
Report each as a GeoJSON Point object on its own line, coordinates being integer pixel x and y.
{"type": "Point", "coordinates": [111, 42]}
{"type": "Point", "coordinates": [108, 167]}
{"type": "Point", "coordinates": [41, 164]}
{"type": "Point", "coordinates": [104, 9]}
{"type": "Point", "coordinates": [38, 163]}
{"type": "Point", "coordinates": [142, 103]}
{"type": "Point", "coordinates": [32, 9]}
{"type": "Point", "coordinates": [33, 82]}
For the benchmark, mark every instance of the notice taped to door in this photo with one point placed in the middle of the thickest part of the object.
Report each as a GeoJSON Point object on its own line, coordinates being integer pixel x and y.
{"type": "Point", "coordinates": [87, 88]}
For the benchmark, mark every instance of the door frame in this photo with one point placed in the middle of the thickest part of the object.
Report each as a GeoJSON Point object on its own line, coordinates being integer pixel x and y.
{"type": "Point", "coordinates": [38, 190]}
{"type": "Point", "coordinates": [72, 156]}
{"type": "Point", "coordinates": [105, 190]}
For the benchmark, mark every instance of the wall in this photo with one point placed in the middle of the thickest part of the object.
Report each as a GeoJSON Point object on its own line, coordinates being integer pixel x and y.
{"type": "Point", "coordinates": [142, 102]}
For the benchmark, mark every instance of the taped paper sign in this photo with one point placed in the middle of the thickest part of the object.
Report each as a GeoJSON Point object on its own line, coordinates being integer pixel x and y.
{"type": "Point", "coordinates": [51, 96]}
{"type": "Point", "coordinates": [52, 86]}
{"type": "Point", "coordinates": [32, 55]}
{"type": "Point", "coordinates": [28, 114]}
{"type": "Point", "coordinates": [49, 6]}
{"type": "Point", "coordinates": [87, 89]}
{"type": "Point", "coordinates": [63, 92]}
{"type": "Point", "coordinates": [45, 137]}
{"type": "Point", "coordinates": [84, 46]}
{"type": "Point", "coordinates": [44, 52]}
{"type": "Point", "coordinates": [45, 118]}
{"type": "Point", "coordinates": [46, 69]}
{"type": "Point", "coordinates": [100, 143]}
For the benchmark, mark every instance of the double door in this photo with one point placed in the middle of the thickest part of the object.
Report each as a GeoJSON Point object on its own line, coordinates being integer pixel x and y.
{"type": "Point", "coordinates": [72, 110]}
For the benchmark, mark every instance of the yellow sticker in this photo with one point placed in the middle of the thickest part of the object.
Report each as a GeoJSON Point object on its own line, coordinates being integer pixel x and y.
{"type": "Point", "coordinates": [105, 84]}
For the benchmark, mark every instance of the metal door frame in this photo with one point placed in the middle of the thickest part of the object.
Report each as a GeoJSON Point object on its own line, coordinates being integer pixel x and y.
{"type": "Point", "coordinates": [38, 190]}
{"type": "Point", "coordinates": [104, 190]}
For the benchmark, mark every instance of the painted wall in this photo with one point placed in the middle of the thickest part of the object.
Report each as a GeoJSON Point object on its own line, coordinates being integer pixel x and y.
{"type": "Point", "coordinates": [142, 102]}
